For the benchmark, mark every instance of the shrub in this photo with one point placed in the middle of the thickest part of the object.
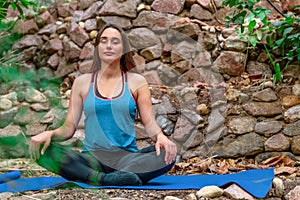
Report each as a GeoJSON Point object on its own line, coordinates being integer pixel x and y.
{"type": "Point", "coordinates": [282, 34]}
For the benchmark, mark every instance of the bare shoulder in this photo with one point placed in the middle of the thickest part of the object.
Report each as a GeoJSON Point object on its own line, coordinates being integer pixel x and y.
{"type": "Point", "coordinates": [82, 83]}
{"type": "Point", "coordinates": [136, 81]}
{"type": "Point", "coordinates": [135, 78]}
{"type": "Point", "coordinates": [84, 78]}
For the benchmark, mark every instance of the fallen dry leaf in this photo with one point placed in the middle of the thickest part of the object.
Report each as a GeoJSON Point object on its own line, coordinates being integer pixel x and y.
{"type": "Point", "coordinates": [201, 166]}
{"type": "Point", "coordinates": [194, 160]}
{"type": "Point", "coordinates": [285, 170]}
{"type": "Point", "coordinates": [180, 167]}
{"type": "Point", "coordinates": [231, 163]}
{"type": "Point", "coordinates": [279, 160]}
{"type": "Point", "coordinates": [221, 167]}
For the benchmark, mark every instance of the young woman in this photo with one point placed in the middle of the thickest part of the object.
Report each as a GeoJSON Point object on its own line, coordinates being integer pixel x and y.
{"type": "Point", "coordinates": [109, 98]}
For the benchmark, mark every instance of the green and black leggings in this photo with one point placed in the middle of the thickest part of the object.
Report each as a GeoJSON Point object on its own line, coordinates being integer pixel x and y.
{"type": "Point", "coordinates": [82, 166]}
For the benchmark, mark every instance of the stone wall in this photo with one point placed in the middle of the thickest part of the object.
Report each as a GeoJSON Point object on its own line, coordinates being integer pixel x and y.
{"type": "Point", "coordinates": [211, 95]}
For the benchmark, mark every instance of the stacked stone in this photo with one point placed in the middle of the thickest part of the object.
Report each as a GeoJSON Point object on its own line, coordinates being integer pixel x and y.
{"type": "Point", "coordinates": [199, 73]}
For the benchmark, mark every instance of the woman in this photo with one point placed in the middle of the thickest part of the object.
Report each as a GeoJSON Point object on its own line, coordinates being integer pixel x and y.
{"type": "Point", "coordinates": [109, 98]}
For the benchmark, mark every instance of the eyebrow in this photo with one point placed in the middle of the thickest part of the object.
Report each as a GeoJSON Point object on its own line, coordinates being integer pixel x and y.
{"type": "Point", "coordinates": [104, 37]}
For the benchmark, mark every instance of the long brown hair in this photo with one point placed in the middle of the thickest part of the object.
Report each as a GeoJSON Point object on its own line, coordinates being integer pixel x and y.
{"type": "Point", "coordinates": [127, 61]}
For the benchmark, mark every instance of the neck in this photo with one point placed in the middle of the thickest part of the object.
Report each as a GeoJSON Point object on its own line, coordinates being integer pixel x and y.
{"type": "Point", "coordinates": [110, 70]}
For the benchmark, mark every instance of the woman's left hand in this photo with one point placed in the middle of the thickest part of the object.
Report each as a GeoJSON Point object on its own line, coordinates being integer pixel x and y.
{"type": "Point", "coordinates": [169, 146]}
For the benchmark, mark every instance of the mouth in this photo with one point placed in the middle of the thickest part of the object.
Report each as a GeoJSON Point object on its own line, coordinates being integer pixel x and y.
{"type": "Point", "coordinates": [109, 53]}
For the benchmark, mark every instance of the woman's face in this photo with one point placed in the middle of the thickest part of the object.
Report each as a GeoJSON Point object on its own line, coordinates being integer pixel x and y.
{"type": "Point", "coordinates": [110, 46]}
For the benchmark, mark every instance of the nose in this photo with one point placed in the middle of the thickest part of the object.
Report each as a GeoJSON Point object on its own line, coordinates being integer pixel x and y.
{"type": "Point", "coordinates": [108, 44]}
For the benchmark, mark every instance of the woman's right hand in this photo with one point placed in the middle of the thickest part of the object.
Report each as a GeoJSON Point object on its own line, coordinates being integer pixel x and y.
{"type": "Point", "coordinates": [67, 130]}
{"type": "Point", "coordinates": [36, 141]}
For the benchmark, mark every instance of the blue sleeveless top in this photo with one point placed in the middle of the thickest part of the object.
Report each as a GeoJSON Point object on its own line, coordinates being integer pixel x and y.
{"type": "Point", "coordinates": [109, 122]}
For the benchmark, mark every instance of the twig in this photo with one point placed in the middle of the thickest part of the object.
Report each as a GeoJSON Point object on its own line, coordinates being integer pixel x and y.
{"type": "Point", "coordinates": [30, 197]}
{"type": "Point", "coordinates": [279, 11]}
{"type": "Point", "coordinates": [199, 22]}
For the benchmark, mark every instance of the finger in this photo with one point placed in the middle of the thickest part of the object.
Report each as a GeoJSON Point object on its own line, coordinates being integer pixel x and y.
{"type": "Point", "coordinates": [174, 153]}
{"type": "Point", "coordinates": [45, 147]}
{"type": "Point", "coordinates": [171, 153]}
{"type": "Point", "coordinates": [157, 148]}
{"type": "Point", "coordinates": [168, 155]}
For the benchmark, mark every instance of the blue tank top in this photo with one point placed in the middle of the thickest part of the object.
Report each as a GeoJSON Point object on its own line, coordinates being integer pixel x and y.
{"type": "Point", "coordinates": [109, 122]}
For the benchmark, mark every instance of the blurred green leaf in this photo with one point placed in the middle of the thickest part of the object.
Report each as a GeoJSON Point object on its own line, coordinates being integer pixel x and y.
{"type": "Point", "coordinates": [253, 40]}
{"type": "Point", "coordinates": [269, 40]}
{"type": "Point", "coordinates": [289, 20]}
{"type": "Point", "coordinates": [251, 25]}
{"type": "Point", "coordinates": [25, 3]}
{"type": "Point", "coordinates": [239, 18]}
{"type": "Point", "coordinates": [260, 35]}
{"type": "Point", "coordinates": [280, 41]}
{"type": "Point", "coordinates": [262, 16]}
{"type": "Point", "coordinates": [293, 36]}
{"type": "Point", "coordinates": [269, 55]}
{"type": "Point", "coordinates": [287, 31]}
{"type": "Point", "coordinates": [13, 5]}
{"type": "Point", "coordinates": [278, 72]}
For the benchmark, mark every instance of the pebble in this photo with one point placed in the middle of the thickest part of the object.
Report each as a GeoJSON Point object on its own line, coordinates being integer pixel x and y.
{"type": "Point", "coordinates": [81, 24]}
{"type": "Point", "coordinates": [5, 104]}
{"type": "Point", "coordinates": [296, 90]}
{"type": "Point", "coordinates": [171, 198]}
{"type": "Point", "coordinates": [294, 194]}
{"type": "Point", "coordinates": [64, 103]}
{"type": "Point", "coordinates": [68, 19]}
{"type": "Point", "coordinates": [235, 192]}
{"type": "Point", "coordinates": [11, 96]}
{"type": "Point", "coordinates": [290, 101]}
{"type": "Point", "coordinates": [191, 197]}
{"type": "Point", "coordinates": [232, 94]}
{"type": "Point", "coordinates": [93, 34]}
{"type": "Point", "coordinates": [5, 195]}
{"type": "Point", "coordinates": [34, 96]}
{"type": "Point", "coordinates": [143, 7]}
{"type": "Point", "coordinates": [267, 84]}
{"type": "Point", "coordinates": [278, 187]}
{"type": "Point", "coordinates": [292, 114]}
{"type": "Point", "coordinates": [210, 192]}
{"type": "Point", "coordinates": [202, 109]}
{"type": "Point", "coordinates": [58, 23]}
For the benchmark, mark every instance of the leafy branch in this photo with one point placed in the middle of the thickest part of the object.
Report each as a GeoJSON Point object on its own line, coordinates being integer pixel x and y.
{"type": "Point", "coordinates": [254, 27]}
{"type": "Point", "coordinates": [19, 5]}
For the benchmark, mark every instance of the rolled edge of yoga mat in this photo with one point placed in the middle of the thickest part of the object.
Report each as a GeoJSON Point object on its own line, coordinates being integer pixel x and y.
{"type": "Point", "coordinates": [9, 176]}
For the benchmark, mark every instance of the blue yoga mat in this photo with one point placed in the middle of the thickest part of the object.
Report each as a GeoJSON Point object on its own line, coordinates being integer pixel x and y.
{"type": "Point", "coordinates": [255, 182]}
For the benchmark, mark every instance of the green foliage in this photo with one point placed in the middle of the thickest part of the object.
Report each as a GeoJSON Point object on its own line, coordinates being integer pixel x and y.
{"type": "Point", "coordinates": [7, 37]}
{"type": "Point", "coordinates": [19, 5]}
{"type": "Point", "coordinates": [277, 75]}
{"type": "Point", "coordinates": [12, 73]}
{"type": "Point", "coordinates": [9, 60]}
{"type": "Point", "coordinates": [282, 35]}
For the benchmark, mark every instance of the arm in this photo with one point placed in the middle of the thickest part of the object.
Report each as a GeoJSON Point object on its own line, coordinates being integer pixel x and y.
{"type": "Point", "coordinates": [67, 130]}
{"type": "Point", "coordinates": [143, 98]}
